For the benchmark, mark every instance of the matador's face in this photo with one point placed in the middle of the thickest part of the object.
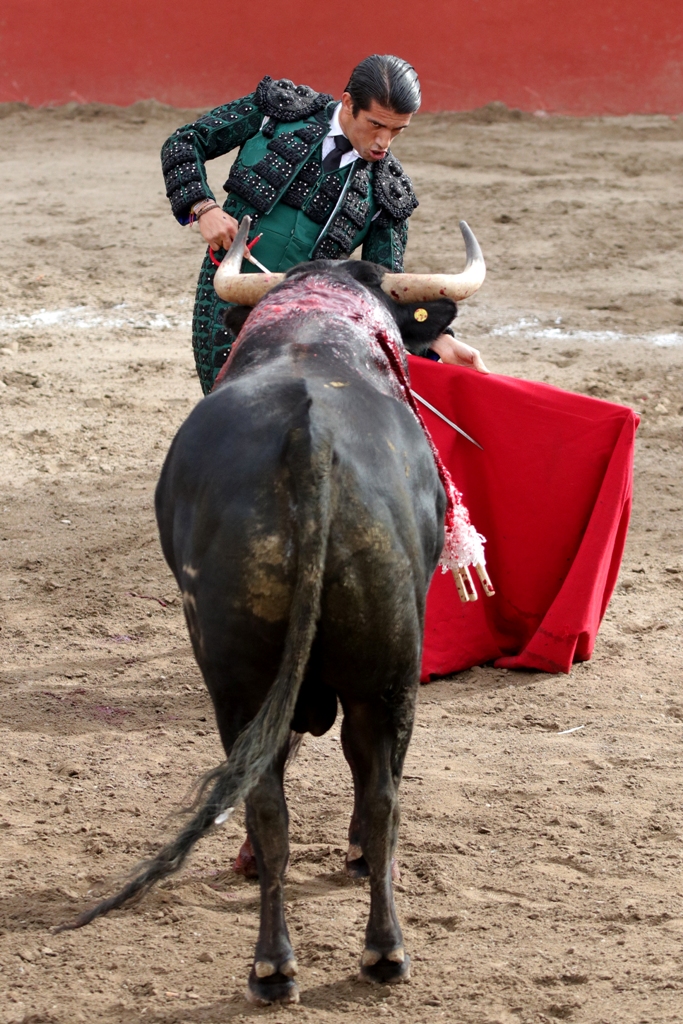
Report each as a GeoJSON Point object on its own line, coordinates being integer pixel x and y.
{"type": "Point", "coordinates": [372, 131]}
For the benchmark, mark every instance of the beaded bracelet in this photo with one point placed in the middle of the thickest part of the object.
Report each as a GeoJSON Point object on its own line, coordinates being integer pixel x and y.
{"type": "Point", "coordinates": [205, 209]}
{"type": "Point", "coordinates": [199, 208]}
{"type": "Point", "coordinates": [201, 202]}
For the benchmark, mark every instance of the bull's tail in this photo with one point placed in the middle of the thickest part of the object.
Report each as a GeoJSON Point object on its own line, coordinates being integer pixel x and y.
{"type": "Point", "coordinates": [257, 745]}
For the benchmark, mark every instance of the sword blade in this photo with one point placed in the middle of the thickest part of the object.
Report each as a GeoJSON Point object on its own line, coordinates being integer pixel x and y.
{"type": "Point", "coordinates": [252, 259]}
{"type": "Point", "coordinates": [444, 418]}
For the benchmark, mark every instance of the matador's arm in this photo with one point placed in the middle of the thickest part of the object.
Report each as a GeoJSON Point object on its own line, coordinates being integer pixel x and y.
{"type": "Point", "coordinates": [184, 154]}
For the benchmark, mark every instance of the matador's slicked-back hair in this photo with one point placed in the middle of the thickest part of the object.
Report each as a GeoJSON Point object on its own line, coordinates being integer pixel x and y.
{"type": "Point", "coordinates": [390, 81]}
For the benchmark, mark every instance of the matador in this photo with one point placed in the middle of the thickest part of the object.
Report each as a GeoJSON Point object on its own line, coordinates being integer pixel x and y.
{"type": "Point", "coordinates": [315, 175]}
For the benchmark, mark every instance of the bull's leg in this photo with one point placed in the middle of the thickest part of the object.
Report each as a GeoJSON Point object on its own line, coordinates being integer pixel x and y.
{"type": "Point", "coordinates": [356, 864]}
{"type": "Point", "coordinates": [375, 740]}
{"type": "Point", "coordinates": [271, 977]}
{"type": "Point", "coordinates": [245, 861]}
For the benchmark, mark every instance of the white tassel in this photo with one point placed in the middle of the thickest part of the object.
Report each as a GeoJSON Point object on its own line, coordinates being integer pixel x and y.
{"type": "Point", "coordinates": [223, 816]}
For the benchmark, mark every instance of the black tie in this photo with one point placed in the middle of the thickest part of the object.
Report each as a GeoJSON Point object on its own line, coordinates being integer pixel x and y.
{"type": "Point", "coordinates": [333, 158]}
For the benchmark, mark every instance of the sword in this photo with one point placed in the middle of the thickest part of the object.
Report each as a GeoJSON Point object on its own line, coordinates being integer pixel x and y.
{"type": "Point", "coordinates": [232, 253]}
{"type": "Point", "coordinates": [252, 259]}
{"type": "Point", "coordinates": [248, 255]}
{"type": "Point", "coordinates": [444, 418]}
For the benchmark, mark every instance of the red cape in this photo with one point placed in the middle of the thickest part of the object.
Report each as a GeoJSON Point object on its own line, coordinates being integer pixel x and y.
{"type": "Point", "coordinates": [551, 492]}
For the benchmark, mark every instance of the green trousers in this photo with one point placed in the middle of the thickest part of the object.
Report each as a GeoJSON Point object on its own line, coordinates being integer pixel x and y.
{"type": "Point", "coordinates": [211, 341]}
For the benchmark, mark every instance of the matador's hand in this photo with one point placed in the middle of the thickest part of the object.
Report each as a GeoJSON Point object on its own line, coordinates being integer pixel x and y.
{"type": "Point", "coordinates": [457, 353]}
{"type": "Point", "coordinates": [218, 228]}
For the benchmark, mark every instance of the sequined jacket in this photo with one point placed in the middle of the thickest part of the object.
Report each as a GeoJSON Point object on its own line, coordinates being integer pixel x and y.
{"type": "Point", "coordinates": [291, 171]}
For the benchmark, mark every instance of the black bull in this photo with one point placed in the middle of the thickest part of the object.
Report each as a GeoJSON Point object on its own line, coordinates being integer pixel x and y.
{"type": "Point", "coordinates": [301, 513]}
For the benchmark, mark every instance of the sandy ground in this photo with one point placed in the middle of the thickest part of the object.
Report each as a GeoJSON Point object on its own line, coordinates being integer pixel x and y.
{"type": "Point", "coordinates": [541, 873]}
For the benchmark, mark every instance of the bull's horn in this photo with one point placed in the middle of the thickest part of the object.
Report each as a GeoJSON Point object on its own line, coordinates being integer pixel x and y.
{"type": "Point", "coordinates": [245, 289]}
{"type": "Point", "coordinates": [425, 287]}
{"type": "Point", "coordinates": [233, 286]}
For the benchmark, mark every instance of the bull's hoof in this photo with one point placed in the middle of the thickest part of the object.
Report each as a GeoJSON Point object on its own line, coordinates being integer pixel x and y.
{"type": "Point", "coordinates": [278, 987]}
{"type": "Point", "coordinates": [357, 866]}
{"type": "Point", "coordinates": [385, 970]}
{"type": "Point", "coordinates": [245, 861]}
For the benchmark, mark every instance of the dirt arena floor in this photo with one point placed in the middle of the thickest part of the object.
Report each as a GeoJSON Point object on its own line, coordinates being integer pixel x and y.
{"type": "Point", "coordinates": [541, 870]}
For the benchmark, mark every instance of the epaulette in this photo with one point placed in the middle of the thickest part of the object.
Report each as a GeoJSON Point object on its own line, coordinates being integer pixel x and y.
{"type": "Point", "coordinates": [393, 188]}
{"type": "Point", "coordinates": [288, 102]}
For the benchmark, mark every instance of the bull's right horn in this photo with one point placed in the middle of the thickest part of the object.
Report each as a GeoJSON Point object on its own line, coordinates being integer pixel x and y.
{"type": "Point", "coordinates": [425, 287]}
{"type": "Point", "coordinates": [233, 286]}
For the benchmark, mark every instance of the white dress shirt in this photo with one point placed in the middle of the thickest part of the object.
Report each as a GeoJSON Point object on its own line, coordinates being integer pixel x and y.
{"type": "Point", "coordinates": [328, 141]}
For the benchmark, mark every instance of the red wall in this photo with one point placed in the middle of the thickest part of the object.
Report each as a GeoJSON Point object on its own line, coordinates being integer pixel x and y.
{"type": "Point", "coordinates": [589, 56]}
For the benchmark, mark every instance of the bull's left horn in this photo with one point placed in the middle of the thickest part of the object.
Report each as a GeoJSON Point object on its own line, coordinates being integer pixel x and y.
{"type": "Point", "coordinates": [425, 287]}
{"type": "Point", "coordinates": [233, 286]}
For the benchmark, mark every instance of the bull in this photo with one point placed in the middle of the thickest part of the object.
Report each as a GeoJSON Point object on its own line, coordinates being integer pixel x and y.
{"type": "Point", "coordinates": [301, 512]}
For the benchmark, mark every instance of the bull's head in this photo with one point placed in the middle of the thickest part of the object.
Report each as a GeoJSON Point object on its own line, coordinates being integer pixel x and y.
{"type": "Point", "coordinates": [247, 289]}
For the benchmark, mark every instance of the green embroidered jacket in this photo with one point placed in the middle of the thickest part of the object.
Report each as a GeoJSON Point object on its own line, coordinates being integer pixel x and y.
{"type": "Point", "coordinates": [369, 205]}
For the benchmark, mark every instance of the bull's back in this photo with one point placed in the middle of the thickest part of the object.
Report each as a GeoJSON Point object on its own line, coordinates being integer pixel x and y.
{"type": "Point", "coordinates": [386, 532]}
{"type": "Point", "coordinates": [224, 509]}
{"type": "Point", "coordinates": [225, 506]}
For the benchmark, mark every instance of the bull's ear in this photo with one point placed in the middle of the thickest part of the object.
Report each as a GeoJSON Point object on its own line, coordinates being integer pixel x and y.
{"type": "Point", "coordinates": [421, 323]}
{"type": "Point", "coordinates": [235, 316]}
